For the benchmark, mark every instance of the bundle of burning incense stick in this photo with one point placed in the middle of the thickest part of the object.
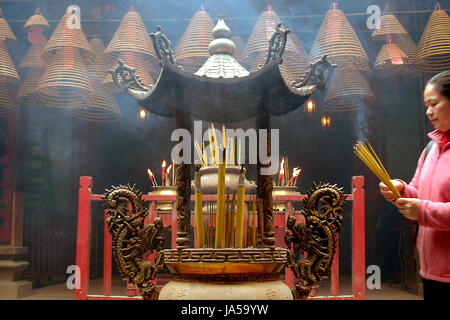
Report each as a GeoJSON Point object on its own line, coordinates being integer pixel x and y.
{"type": "Point", "coordinates": [371, 160]}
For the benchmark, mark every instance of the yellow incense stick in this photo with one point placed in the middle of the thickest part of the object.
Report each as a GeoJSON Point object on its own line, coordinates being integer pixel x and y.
{"type": "Point", "coordinates": [211, 148]}
{"type": "Point", "coordinates": [254, 224]}
{"type": "Point", "coordinates": [216, 146]}
{"type": "Point", "coordinates": [240, 210]}
{"type": "Point", "coordinates": [220, 215]}
{"type": "Point", "coordinates": [373, 162]}
{"type": "Point", "coordinates": [199, 152]}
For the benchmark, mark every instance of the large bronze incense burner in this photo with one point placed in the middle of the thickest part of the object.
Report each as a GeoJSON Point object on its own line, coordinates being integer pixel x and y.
{"type": "Point", "coordinates": [225, 271]}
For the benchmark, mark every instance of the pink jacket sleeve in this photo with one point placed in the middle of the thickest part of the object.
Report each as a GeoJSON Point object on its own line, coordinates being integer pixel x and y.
{"type": "Point", "coordinates": [435, 215]}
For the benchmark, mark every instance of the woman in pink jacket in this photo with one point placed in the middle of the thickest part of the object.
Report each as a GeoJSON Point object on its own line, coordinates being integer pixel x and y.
{"type": "Point", "coordinates": [426, 198]}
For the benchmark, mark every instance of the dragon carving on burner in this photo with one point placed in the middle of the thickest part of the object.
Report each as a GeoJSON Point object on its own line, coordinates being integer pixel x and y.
{"type": "Point", "coordinates": [131, 239]}
{"type": "Point", "coordinates": [317, 237]}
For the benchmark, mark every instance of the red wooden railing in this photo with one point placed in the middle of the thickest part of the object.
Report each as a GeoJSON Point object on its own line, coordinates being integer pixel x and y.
{"type": "Point", "coordinates": [50, 239]}
{"type": "Point", "coordinates": [169, 219]}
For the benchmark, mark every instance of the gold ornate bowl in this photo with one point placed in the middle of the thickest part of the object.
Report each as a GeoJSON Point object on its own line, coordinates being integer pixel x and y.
{"type": "Point", "coordinates": [226, 274]}
{"type": "Point", "coordinates": [164, 191]}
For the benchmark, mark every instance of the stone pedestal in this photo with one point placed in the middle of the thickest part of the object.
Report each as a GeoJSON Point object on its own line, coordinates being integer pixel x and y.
{"type": "Point", "coordinates": [12, 267]}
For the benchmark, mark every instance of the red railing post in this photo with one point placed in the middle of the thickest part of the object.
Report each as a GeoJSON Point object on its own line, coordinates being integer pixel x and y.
{"type": "Point", "coordinates": [335, 271]}
{"type": "Point", "coordinates": [358, 239]}
{"type": "Point", "coordinates": [107, 259]}
{"type": "Point", "coordinates": [289, 275]}
{"type": "Point", "coordinates": [83, 236]}
{"type": "Point", "coordinates": [152, 212]}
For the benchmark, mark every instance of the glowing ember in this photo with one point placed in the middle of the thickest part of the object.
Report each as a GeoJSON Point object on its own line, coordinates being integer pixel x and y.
{"type": "Point", "coordinates": [142, 114]}
{"type": "Point", "coordinates": [326, 120]}
{"type": "Point", "coordinates": [151, 176]}
{"type": "Point", "coordinates": [295, 174]}
{"type": "Point", "coordinates": [282, 167]}
{"type": "Point", "coordinates": [281, 173]}
{"type": "Point", "coordinates": [310, 106]}
{"type": "Point", "coordinates": [397, 61]}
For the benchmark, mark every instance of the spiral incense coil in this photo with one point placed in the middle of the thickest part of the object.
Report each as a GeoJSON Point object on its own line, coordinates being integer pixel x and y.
{"type": "Point", "coordinates": [292, 68]}
{"type": "Point", "coordinates": [348, 90]}
{"type": "Point", "coordinates": [65, 82]}
{"type": "Point", "coordinates": [153, 68]}
{"type": "Point", "coordinates": [134, 60]}
{"type": "Point", "coordinates": [407, 44]}
{"type": "Point", "coordinates": [27, 92]}
{"type": "Point", "coordinates": [98, 68]}
{"type": "Point", "coordinates": [33, 57]}
{"type": "Point", "coordinates": [240, 45]}
{"type": "Point", "coordinates": [393, 67]}
{"type": "Point", "coordinates": [6, 102]}
{"type": "Point", "coordinates": [6, 33]}
{"type": "Point", "coordinates": [8, 72]}
{"type": "Point", "coordinates": [36, 20]}
{"type": "Point", "coordinates": [132, 36]}
{"type": "Point", "coordinates": [65, 36]}
{"type": "Point", "coordinates": [192, 49]}
{"type": "Point", "coordinates": [337, 39]}
{"type": "Point", "coordinates": [102, 107]}
{"type": "Point", "coordinates": [301, 51]}
{"type": "Point", "coordinates": [260, 36]}
{"type": "Point", "coordinates": [390, 54]}
{"type": "Point", "coordinates": [389, 25]}
{"type": "Point", "coordinates": [433, 50]}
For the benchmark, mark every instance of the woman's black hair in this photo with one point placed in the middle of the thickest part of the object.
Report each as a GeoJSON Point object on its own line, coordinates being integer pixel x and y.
{"type": "Point", "coordinates": [442, 83]}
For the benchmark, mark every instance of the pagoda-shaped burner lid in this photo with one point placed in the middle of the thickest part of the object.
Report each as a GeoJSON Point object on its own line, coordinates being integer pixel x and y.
{"type": "Point", "coordinates": [221, 64]}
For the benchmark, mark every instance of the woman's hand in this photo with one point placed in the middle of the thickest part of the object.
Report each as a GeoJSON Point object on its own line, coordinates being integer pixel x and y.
{"type": "Point", "coordinates": [408, 207]}
{"type": "Point", "coordinates": [388, 194]}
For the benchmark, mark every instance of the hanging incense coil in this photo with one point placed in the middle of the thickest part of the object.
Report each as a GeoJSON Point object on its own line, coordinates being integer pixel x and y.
{"type": "Point", "coordinates": [433, 50]}
{"type": "Point", "coordinates": [192, 49]}
{"type": "Point", "coordinates": [298, 59]}
{"type": "Point", "coordinates": [240, 45]}
{"type": "Point", "coordinates": [260, 36]}
{"type": "Point", "coordinates": [393, 67]}
{"type": "Point", "coordinates": [301, 51]}
{"type": "Point", "coordinates": [6, 33]}
{"type": "Point", "coordinates": [407, 44]}
{"type": "Point", "coordinates": [27, 92]}
{"type": "Point", "coordinates": [389, 25]}
{"type": "Point", "coordinates": [154, 69]}
{"type": "Point", "coordinates": [65, 36]}
{"type": "Point", "coordinates": [8, 72]}
{"type": "Point", "coordinates": [134, 60]}
{"type": "Point", "coordinates": [36, 20]}
{"type": "Point", "coordinates": [337, 39]}
{"type": "Point", "coordinates": [102, 107]}
{"type": "Point", "coordinates": [390, 54]}
{"type": "Point", "coordinates": [33, 58]}
{"type": "Point", "coordinates": [392, 31]}
{"type": "Point", "coordinates": [131, 36]}
{"type": "Point", "coordinates": [290, 69]}
{"type": "Point", "coordinates": [6, 102]}
{"type": "Point", "coordinates": [65, 82]}
{"type": "Point", "coordinates": [98, 68]}
{"type": "Point", "coordinates": [348, 90]}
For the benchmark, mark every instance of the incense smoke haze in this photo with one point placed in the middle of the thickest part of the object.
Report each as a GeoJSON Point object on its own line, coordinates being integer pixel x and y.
{"type": "Point", "coordinates": [130, 146]}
